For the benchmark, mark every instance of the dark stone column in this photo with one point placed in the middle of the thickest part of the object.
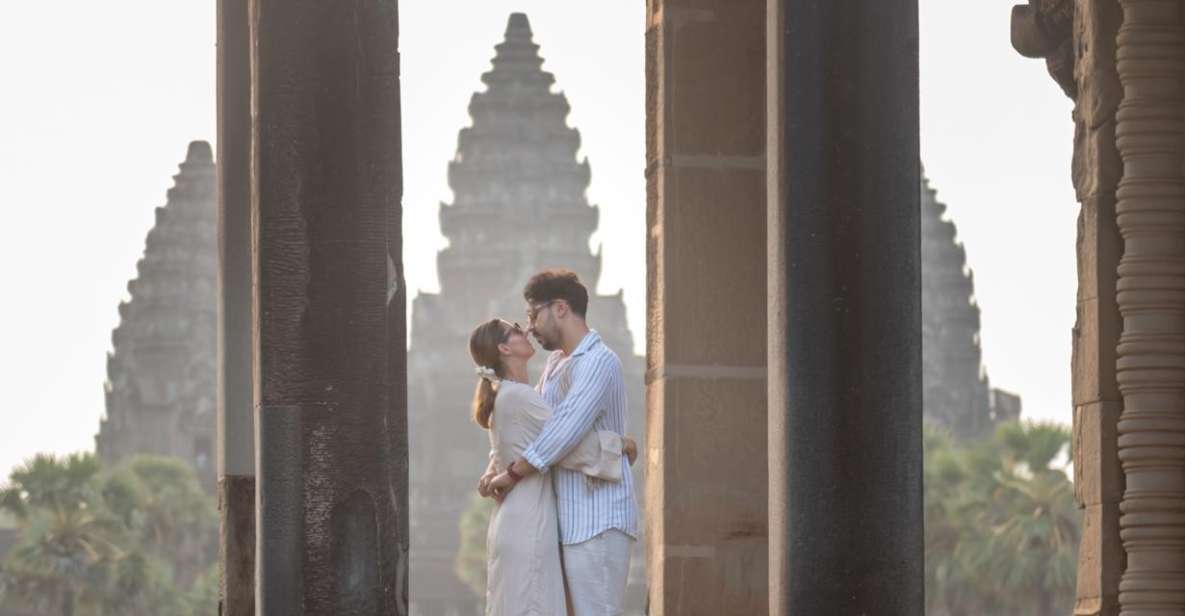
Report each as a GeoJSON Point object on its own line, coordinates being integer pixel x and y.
{"type": "Point", "coordinates": [332, 448]}
{"type": "Point", "coordinates": [845, 397]}
{"type": "Point", "coordinates": [236, 422]}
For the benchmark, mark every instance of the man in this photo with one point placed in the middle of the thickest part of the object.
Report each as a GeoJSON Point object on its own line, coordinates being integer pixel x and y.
{"type": "Point", "coordinates": [583, 383]}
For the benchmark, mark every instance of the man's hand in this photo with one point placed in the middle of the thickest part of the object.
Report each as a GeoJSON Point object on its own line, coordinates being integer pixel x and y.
{"type": "Point", "coordinates": [629, 448]}
{"type": "Point", "coordinates": [501, 485]}
{"type": "Point", "coordinates": [483, 484]}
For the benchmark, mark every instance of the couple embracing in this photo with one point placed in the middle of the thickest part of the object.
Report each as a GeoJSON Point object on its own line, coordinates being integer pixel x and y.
{"type": "Point", "coordinates": [561, 532]}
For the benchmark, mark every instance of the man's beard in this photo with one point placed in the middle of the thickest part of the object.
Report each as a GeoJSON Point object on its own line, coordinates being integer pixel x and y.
{"type": "Point", "coordinates": [544, 343]}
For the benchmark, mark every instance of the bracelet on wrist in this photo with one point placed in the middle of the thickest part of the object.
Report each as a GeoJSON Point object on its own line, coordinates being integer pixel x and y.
{"type": "Point", "coordinates": [513, 475]}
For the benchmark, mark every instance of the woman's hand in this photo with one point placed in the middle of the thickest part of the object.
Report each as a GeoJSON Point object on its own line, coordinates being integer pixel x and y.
{"type": "Point", "coordinates": [629, 448]}
{"type": "Point", "coordinates": [501, 485]}
{"type": "Point", "coordinates": [483, 484]}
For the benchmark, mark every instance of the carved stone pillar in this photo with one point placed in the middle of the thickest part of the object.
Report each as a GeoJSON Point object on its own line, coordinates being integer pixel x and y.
{"type": "Point", "coordinates": [1151, 293]}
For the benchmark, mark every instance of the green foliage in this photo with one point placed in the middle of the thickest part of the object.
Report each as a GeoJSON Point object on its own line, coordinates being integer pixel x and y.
{"type": "Point", "coordinates": [471, 558]}
{"type": "Point", "coordinates": [202, 598]}
{"type": "Point", "coordinates": [91, 541]}
{"type": "Point", "coordinates": [1002, 527]}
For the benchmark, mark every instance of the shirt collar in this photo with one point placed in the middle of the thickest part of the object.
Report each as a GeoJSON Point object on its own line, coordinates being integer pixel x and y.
{"type": "Point", "coordinates": [586, 343]}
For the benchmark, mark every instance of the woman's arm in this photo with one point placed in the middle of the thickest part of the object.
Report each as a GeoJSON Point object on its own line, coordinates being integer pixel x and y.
{"type": "Point", "coordinates": [483, 483]}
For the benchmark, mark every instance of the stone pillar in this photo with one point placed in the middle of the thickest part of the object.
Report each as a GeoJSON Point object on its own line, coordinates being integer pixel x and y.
{"type": "Point", "coordinates": [236, 420]}
{"type": "Point", "coordinates": [1098, 479]}
{"type": "Point", "coordinates": [845, 394]}
{"type": "Point", "coordinates": [1077, 39]}
{"type": "Point", "coordinates": [330, 329]}
{"type": "Point", "coordinates": [1151, 294]}
{"type": "Point", "coordinates": [705, 430]}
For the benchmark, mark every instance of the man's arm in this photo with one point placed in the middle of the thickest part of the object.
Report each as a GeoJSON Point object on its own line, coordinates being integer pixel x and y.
{"type": "Point", "coordinates": [574, 417]}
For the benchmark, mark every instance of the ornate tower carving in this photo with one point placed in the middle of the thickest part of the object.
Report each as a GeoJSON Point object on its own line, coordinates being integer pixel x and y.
{"type": "Point", "coordinates": [161, 378]}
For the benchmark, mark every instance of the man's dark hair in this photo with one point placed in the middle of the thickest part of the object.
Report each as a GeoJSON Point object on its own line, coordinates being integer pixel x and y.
{"type": "Point", "coordinates": [552, 284]}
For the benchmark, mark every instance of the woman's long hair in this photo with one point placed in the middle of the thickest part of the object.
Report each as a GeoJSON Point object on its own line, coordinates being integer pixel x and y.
{"type": "Point", "coordinates": [483, 347]}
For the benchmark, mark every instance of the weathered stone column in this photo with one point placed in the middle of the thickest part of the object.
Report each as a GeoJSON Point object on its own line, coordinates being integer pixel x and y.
{"type": "Point", "coordinates": [1077, 40]}
{"type": "Point", "coordinates": [845, 391]}
{"type": "Point", "coordinates": [1151, 294]}
{"type": "Point", "coordinates": [236, 418]}
{"type": "Point", "coordinates": [1098, 479]}
{"type": "Point", "coordinates": [330, 330]}
{"type": "Point", "coordinates": [705, 170]}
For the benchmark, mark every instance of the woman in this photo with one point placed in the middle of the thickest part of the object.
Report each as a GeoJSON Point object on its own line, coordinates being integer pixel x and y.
{"type": "Point", "coordinates": [522, 543]}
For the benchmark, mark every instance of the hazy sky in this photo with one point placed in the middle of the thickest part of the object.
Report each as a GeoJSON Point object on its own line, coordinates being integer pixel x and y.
{"type": "Point", "coordinates": [100, 100]}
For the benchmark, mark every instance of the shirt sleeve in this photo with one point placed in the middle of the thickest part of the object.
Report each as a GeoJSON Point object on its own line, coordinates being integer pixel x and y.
{"type": "Point", "coordinates": [574, 417]}
{"type": "Point", "coordinates": [597, 455]}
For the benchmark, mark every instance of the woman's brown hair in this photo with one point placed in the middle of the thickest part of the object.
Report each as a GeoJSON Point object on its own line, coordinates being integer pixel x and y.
{"type": "Point", "coordinates": [483, 347]}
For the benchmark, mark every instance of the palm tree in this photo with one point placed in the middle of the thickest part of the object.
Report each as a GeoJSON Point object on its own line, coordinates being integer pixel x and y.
{"type": "Point", "coordinates": [160, 500]}
{"type": "Point", "coordinates": [94, 542]}
{"type": "Point", "coordinates": [67, 542]}
{"type": "Point", "coordinates": [1002, 526]}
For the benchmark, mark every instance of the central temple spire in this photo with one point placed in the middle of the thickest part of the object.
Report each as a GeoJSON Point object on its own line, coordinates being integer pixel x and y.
{"type": "Point", "coordinates": [519, 189]}
{"type": "Point", "coordinates": [519, 205]}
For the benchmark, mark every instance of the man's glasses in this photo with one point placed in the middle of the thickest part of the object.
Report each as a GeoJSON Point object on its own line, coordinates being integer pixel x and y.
{"type": "Point", "coordinates": [535, 309]}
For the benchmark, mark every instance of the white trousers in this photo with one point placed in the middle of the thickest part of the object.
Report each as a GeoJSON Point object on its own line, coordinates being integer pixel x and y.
{"type": "Point", "coordinates": [596, 571]}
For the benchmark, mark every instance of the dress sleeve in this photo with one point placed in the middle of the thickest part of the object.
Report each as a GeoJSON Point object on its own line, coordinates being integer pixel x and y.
{"type": "Point", "coordinates": [597, 455]}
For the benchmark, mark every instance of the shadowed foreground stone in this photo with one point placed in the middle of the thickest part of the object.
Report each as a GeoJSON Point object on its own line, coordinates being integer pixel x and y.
{"type": "Point", "coordinates": [333, 525]}
{"type": "Point", "coordinates": [845, 395]}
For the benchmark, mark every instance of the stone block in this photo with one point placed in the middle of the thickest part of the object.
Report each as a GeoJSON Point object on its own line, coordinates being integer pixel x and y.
{"type": "Point", "coordinates": [708, 248]}
{"type": "Point", "coordinates": [657, 423]}
{"type": "Point", "coordinates": [707, 549]}
{"type": "Point", "coordinates": [1095, 167]}
{"type": "Point", "coordinates": [1093, 356]}
{"type": "Point", "coordinates": [1099, 248]}
{"type": "Point", "coordinates": [706, 99]}
{"type": "Point", "coordinates": [708, 420]}
{"type": "Point", "coordinates": [1101, 561]}
{"type": "Point", "coordinates": [1098, 478]}
{"type": "Point", "coordinates": [1096, 24]}
{"type": "Point", "coordinates": [729, 579]}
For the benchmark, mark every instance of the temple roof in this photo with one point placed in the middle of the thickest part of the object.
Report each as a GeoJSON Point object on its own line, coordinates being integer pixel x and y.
{"type": "Point", "coordinates": [163, 356]}
{"type": "Point", "coordinates": [519, 188]}
{"type": "Point", "coordinates": [955, 384]}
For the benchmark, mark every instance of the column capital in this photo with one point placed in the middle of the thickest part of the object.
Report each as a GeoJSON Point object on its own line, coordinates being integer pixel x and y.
{"type": "Point", "coordinates": [1044, 29]}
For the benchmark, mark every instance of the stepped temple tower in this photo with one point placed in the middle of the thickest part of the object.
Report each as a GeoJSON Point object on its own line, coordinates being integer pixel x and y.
{"type": "Point", "coordinates": [956, 391]}
{"type": "Point", "coordinates": [161, 372]}
{"type": "Point", "coordinates": [519, 205]}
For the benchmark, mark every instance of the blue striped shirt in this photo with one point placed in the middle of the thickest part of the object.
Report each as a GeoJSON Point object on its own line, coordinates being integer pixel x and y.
{"type": "Point", "coordinates": [587, 392]}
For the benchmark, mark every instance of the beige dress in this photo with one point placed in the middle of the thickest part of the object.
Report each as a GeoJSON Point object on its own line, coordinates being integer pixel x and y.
{"type": "Point", "coordinates": [522, 542]}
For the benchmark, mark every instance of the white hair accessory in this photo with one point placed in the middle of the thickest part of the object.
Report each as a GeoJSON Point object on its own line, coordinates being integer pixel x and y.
{"type": "Point", "coordinates": [487, 374]}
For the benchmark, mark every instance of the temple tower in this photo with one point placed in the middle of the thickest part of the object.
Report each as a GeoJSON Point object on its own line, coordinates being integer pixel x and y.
{"type": "Point", "coordinates": [519, 205]}
{"type": "Point", "coordinates": [161, 372]}
{"type": "Point", "coordinates": [956, 391]}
